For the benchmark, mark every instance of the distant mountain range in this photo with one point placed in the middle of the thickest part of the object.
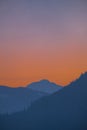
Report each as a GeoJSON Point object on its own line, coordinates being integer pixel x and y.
{"type": "Point", "coordinates": [17, 99]}
{"type": "Point", "coordinates": [44, 86]}
{"type": "Point", "coordinates": [62, 110]}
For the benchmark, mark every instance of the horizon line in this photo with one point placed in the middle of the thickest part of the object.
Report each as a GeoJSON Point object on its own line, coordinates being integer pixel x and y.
{"type": "Point", "coordinates": [82, 73]}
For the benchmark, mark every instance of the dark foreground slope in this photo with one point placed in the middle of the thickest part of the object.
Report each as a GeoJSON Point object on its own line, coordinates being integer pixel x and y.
{"type": "Point", "coordinates": [65, 110]}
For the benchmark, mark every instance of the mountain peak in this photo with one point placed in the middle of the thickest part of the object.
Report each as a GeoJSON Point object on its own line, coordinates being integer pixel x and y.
{"type": "Point", "coordinates": [44, 81]}
{"type": "Point", "coordinates": [44, 85]}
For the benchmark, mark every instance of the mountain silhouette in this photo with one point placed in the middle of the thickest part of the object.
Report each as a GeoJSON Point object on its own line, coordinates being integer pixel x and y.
{"type": "Point", "coordinates": [63, 110]}
{"type": "Point", "coordinates": [66, 109]}
{"type": "Point", "coordinates": [44, 86]}
{"type": "Point", "coordinates": [17, 99]}
{"type": "Point", "coordinates": [79, 82]}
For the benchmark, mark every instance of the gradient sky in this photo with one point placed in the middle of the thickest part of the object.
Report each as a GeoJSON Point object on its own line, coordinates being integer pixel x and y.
{"type": "Point", "coordinates": [42, 39]}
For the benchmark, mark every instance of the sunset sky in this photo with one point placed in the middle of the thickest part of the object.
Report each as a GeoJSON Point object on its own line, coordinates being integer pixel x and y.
{"type": "Point", "coordinates": [42, 39]}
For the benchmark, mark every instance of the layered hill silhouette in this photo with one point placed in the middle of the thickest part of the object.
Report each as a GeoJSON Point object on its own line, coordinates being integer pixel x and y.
{"type": "Point", "coordinates": [17, 99]}
{"type": "Point", "coordinates": [63, 110]}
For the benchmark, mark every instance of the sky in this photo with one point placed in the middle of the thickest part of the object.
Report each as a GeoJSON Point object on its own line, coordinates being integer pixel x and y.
{"type": "Point", "coordinates": [42, 39]}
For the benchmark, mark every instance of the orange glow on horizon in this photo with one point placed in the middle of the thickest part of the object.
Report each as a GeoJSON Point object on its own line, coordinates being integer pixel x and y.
{"type": "Point", "coordinates": [42, 40]}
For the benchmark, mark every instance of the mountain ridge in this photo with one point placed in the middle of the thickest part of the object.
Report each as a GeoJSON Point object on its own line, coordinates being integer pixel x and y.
{"type": "Point", "coordinates": [63, 110]}
{"type": "Point", "coordinates": [44, 86]}
{"type": "Point", "coordinates": [17, 99]}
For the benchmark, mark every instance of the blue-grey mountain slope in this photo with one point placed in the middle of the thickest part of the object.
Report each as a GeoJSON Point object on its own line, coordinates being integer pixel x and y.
{"type": "Point", "coordinates": [63, 110]}
{"type": "Point", "coordinates": [17, 99]}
